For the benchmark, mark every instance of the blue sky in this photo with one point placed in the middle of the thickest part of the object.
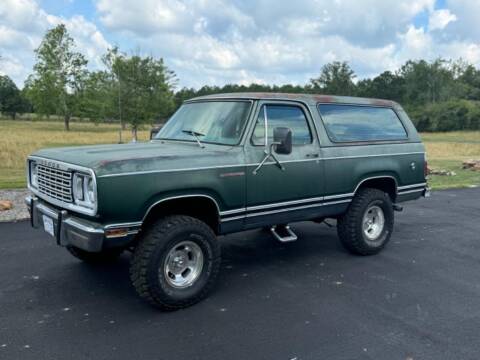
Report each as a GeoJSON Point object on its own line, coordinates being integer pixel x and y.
{"type": "Point", "coordinates": [243, 41]}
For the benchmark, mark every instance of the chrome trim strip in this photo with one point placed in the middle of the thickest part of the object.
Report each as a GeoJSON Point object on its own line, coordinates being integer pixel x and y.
{"type": "Point", "coordinates": [169, 170]}
{"type": "Point", "coordinates": [377, 177]}
{"type": "Point", "coordinates": [337, 202]}
{"type": "Point", "coordinates": [83, 227]}
{"type": "Point", "coordinates": [297, 208]}
{"type": "Point", "coordinates": [233, 218]}
{"type": "Point", "coordinates": [338, 196]}
{"type": "Point", "coordinates": [411, 186]}
{"type": "Point", "coordinates": [285, 203]}
{"type": "Point", "coordinates": [376, 155]}
{"type": "Point", "coordinates": [249, 165]}
{"type": "Point", "coordinates": [180, 197]}
{"type": "Point", "coordinates": [234, 211]}
{"type": "Point", "coordinates": [410, 191]}
{"type": "Point", "coordinates": [122, 225]}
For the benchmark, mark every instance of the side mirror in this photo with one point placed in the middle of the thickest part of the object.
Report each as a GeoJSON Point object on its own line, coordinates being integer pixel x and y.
{"type": "Point", "coordinates": [282, 138]}
{"type": "Point", "coordinates": [154, 131]}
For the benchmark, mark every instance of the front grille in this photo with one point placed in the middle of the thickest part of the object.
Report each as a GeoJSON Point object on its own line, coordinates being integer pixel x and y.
{"type": "Point", "coordinates": [55, 183]}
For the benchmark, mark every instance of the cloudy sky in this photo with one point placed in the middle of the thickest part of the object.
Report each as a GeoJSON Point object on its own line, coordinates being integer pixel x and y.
{"type": "Point", "coordinates": [243, 41]}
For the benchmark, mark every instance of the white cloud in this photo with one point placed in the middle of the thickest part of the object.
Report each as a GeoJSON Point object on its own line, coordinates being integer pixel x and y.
{"type": "Point", "coordinates": [439, 19]}
{"type": "Point", "coordinates": [22, 26]}
{"type": "Point", "coordinates": [266, 41]}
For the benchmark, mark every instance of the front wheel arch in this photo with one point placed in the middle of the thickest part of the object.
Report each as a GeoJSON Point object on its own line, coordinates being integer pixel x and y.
{"type": "Point", "coordinates": [200, 206]}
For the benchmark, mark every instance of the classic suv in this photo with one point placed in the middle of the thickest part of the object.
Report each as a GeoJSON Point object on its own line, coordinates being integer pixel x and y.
{"type": "Point", "coordinates": [222, 164]}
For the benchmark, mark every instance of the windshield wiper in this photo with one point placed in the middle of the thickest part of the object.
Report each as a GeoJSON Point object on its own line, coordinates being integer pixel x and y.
{"type": "Point", "coordinates": [196, 135]}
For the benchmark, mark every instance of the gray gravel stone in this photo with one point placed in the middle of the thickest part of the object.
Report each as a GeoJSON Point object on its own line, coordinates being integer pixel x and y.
{"type": "Point", "coordinates": [19, 210]}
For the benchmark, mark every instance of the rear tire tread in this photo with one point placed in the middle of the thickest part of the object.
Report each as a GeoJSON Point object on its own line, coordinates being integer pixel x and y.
{"type": "Point", "coordinates": [347, 227]}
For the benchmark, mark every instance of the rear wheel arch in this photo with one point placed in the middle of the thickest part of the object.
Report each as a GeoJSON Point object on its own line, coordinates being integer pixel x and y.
{"type": "Point", "coordinates": [385, 183]}
{"type": "Point", "coordinates": [200, 206]}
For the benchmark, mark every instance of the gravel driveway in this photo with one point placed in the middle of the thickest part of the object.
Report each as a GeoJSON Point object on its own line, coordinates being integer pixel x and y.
{"type": "Point", "coordinates": [19, 210]}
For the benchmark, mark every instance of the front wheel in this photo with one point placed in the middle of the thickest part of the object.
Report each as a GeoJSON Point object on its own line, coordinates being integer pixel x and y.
{"type": "Point", "coordinates": [367, 225]}
{"type": "Point", "coordinates": [176, 262]}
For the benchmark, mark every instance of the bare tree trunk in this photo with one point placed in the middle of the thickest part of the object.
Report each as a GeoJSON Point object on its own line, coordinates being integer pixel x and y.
{"type": "Point", "coordinates": [134, 133]}
{"type": "Point", "coordinates": [67, 122]}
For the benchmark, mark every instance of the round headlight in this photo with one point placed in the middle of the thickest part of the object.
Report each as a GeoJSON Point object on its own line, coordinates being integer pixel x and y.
{"type": "Point", "coordinates": [33, 174]}
{"type": "Point", "coordinates": [78, 187]}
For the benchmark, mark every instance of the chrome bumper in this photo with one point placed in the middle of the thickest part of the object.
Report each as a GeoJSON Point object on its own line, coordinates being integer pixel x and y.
{"type": "Point", "coordinates": [71, 230]}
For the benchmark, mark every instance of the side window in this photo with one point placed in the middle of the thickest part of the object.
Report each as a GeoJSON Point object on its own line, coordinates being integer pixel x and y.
{"type": "Point", "coordinates": [346, 123]}
{"type": "Point", "coordinates": [292, 117]}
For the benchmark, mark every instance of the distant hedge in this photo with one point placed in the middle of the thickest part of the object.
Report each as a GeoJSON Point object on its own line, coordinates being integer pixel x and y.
{"type": "Point", "coordinates": [450, 115]}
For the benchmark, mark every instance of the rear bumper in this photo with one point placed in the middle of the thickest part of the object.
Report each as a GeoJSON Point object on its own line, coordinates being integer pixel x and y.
{"type": "Point", "coordinates": [70, 230]}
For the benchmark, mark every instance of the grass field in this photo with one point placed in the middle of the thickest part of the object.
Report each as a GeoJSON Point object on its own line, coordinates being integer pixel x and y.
{"type": "Point", "coordinates": [20, 138]}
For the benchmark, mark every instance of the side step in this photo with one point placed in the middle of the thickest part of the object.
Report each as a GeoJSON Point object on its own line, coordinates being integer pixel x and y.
{"type": "Point", "coordinates": [283, 233]}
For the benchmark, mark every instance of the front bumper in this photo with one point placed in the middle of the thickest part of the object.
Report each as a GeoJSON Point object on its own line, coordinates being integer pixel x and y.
{"type": "Point", "coordinates": [69, 230]}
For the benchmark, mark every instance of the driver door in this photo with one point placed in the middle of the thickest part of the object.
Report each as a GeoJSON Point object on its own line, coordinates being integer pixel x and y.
{"type": "Point", "coordinates": [276, 196]}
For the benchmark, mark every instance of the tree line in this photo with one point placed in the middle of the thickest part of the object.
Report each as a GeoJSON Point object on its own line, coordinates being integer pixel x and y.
{"type": "Point", "coordinates": [439, 95]}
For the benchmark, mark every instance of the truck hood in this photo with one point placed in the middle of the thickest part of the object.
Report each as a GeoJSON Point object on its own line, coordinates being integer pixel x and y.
{"type": "Point", "coordinates": [134, 157]}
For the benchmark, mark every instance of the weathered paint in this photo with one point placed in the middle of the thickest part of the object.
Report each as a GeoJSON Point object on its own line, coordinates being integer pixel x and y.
{"type": "Point", "coordinates": [132, 177]}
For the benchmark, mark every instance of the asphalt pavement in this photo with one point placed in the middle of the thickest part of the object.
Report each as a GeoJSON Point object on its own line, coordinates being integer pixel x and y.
{"type": "Point", "coordinates": [418, 299]}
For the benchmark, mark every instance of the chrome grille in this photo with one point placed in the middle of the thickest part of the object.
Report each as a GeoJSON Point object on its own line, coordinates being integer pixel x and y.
{"type": "Point", "coordinates": [55, 183]}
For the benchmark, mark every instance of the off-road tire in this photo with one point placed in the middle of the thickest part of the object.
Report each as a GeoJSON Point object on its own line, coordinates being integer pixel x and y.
{"type": "Point", "coordinates": [103, 257]}
{"type": "Point", "coordinates": [349, 226]}
{"type": "Point", "coordinates": [147, 264]}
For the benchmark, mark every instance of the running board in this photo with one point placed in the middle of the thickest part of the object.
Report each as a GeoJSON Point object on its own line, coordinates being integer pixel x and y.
{"type": "Point", "coordinates": [286, 234]}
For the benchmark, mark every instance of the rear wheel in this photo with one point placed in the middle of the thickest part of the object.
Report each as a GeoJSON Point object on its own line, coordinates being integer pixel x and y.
{"type": "Point", "coordinates": [176, 263]}
{"type": "Point", "coordinates": [105, 256]}
{"type": "Point", "coordinates": [367, 225]}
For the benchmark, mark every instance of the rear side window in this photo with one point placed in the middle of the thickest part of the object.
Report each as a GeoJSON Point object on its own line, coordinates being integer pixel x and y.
{"type": "Point", "coordinates": [282, 116]}
{"type": "Point", "coordinates": [350, 123]}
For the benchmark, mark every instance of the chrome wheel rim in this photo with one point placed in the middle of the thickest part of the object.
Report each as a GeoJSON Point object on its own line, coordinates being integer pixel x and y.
{"type": "Point", "coordinates": [373, 222]}
{"type": "Point", "coordinates": [183, 264]}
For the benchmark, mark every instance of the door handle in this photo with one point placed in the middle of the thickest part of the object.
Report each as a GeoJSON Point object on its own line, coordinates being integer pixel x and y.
{"type": "Point", "coordinates": [313, 155]}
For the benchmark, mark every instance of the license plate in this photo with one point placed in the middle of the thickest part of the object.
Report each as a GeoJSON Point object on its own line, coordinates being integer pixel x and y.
{"type": "Point", "coordinates": [48, 225]}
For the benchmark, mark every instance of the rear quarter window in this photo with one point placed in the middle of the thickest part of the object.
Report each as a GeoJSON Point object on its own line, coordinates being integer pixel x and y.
{"type": "Point", "coordinates": [351, 123]}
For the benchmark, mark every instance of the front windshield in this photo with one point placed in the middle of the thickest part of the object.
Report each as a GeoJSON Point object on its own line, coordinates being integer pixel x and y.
{"type": "Point", "coordinates": [218, 122]}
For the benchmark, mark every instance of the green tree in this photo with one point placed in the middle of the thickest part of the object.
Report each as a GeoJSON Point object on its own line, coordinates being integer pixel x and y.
{"type": "Point", "coordinates": [97, 97]}
{"type": "Point", "coordinates": [469, 76]}
{"type": "Point", "coordinates": [387, 85]}
{"type": "Point", "coordinates": [145, 88]}
{"type": "Point", "coordinates": [11, 98]}
{"type": "Point", "coordinates": [428, 82]}
{"type": "Point", "coordinates": [335, 78]}
{"type": "Point", "coordinates": [54, 87]}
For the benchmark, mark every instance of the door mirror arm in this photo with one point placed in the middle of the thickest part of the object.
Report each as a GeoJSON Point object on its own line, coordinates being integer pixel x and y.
{"type": "Point", "coordinates": [269, 154]}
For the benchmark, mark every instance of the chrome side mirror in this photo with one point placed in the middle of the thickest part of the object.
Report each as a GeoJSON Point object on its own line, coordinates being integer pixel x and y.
{"type": "Point", "coordinates": [282, 144]}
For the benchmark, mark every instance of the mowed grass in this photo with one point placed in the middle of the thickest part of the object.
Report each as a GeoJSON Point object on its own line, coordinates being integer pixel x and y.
{"type": "Point", "coordinates": [447, 151]}
{"type": "Point", "coordinates": [21, 138]}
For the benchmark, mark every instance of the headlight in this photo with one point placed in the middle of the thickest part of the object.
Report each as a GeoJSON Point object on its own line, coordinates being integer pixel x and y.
{"type": "Point", "coordinates": [84, 190]}
{"type": "Point", "coordinates": [90, 190]}
{"type": "Point", "coordinates": [78, 193]}
{"type": "Point", "coordinates": [33, 174]}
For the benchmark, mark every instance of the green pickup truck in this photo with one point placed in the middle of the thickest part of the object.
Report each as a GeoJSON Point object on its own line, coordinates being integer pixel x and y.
{"type": "Point", "coordinates": [227, 163]}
